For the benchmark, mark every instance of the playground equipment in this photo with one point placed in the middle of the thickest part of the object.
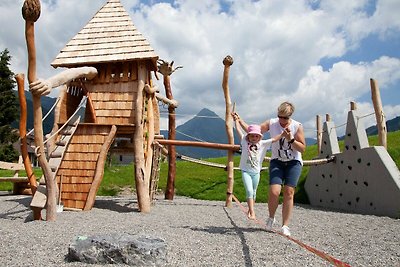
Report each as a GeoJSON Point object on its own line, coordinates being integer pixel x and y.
{"type": "Point", "coordinates": [362, 179]}
{"type": "Point", "coordinates": [108, 93]}
{"type": "Point", "coordinates": [109, 70]}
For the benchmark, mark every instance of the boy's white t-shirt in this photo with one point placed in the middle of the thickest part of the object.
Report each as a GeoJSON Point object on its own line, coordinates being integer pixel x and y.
{"type": "Point", "coordinates": [253, 155]}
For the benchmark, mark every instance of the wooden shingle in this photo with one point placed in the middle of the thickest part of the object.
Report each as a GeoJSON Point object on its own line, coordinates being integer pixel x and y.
{"type": "Point", "coordinates": [110, 36]}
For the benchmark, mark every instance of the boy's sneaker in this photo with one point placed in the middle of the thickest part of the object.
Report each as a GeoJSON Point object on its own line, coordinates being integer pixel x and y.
{"type": "Point", "coordinates": [270, 223]}
{"type": "Point", "coordinates": [285, 230]}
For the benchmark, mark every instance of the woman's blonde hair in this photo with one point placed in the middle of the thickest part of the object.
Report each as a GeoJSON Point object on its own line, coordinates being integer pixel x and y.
{"type": "Point", "coordinates": [286, 109]}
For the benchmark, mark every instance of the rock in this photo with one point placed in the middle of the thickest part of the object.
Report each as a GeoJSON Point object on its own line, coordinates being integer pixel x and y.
{"type": "Point", "coordinates": [133, 250]}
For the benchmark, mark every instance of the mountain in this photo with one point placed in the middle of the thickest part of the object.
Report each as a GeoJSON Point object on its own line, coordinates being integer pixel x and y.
{"type": "Point", "coordinates": [205, 126]}
{"type": "Point", "coordinates": [47, 104]}
{"type": "Point", "coordinates": [391, 126]}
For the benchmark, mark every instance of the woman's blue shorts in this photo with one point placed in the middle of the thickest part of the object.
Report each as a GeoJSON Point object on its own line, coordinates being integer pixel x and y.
{"type": "Point", "coordinates": [284, 172]}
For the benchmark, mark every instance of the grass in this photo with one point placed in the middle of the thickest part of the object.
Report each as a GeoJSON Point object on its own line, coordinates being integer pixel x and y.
{"type": "Point", "coordinates": [209, 183]}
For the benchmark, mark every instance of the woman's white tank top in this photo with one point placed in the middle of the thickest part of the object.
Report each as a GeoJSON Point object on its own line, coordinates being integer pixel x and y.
{"type": "Point", "coordinates": [281, 149]}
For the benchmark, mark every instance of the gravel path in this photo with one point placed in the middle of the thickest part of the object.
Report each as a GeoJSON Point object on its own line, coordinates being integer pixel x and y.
{"type": "Point", "coordinates": [200, 233]}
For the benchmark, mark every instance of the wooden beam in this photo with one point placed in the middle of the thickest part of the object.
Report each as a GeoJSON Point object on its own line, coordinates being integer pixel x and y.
{"type": "Point", "coordinates": [231, 147]}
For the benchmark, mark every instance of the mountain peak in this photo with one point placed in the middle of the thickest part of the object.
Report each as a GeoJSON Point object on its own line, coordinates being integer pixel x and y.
{"type": "Point", "coordinates": [207, 112]}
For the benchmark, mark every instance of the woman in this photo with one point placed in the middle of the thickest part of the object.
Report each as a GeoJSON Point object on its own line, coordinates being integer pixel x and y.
{"type": "Point", "coordinates": [286, 162]}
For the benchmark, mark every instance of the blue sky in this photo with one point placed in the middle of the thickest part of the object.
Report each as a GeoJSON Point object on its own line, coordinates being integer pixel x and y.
{"type": "Point", "coordinates": [318, 54]}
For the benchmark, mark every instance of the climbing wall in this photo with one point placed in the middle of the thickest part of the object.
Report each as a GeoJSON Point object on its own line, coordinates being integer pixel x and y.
{"type": "Point", "coordinates": [362, 179]}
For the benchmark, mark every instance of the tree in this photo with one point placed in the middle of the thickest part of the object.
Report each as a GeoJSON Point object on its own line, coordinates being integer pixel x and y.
{"type": "Point", "coordinates": [8, 110]}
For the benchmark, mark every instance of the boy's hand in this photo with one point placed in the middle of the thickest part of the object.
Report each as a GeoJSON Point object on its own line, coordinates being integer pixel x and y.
{"type": "Point", "coordinates": [235, 116]}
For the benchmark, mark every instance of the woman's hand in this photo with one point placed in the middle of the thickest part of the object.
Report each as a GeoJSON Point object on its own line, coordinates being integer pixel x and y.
{"type": "Point", "coordinates": [287, 134]}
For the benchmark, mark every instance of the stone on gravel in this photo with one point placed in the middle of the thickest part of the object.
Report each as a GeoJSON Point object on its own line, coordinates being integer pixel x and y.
{"type": "Point", "coordinates": [119, 248]}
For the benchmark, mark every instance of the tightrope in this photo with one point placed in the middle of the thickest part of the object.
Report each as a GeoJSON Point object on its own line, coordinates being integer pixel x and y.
{"type": "Point", "coordinates": [317, 252]}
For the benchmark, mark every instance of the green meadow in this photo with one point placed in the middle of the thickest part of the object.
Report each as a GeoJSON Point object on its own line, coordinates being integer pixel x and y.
{"type": "Point", "coordinates": [209, 183]}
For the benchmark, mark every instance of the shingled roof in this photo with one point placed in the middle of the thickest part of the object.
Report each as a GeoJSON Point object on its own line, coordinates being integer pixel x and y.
{"type": "Point", "coordinates": [110, 36]}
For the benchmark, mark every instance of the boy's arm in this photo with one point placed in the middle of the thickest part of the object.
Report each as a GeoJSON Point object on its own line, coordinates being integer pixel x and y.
{"type": "Point", "coordinates": [276, 137]}
{"type": "Point", "coordinates": [237, 126]}
{"type": "Point", "coordinates": [242, 123]}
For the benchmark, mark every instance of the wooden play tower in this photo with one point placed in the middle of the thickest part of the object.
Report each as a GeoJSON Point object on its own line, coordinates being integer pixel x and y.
{"type": "Point", "coordinates": [120, 103]}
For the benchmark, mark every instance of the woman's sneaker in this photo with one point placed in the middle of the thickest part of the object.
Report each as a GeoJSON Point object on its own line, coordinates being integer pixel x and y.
{"type": "Point", "coordinates": [285, 230]}
{"type": "Point", "coordinates": [270, 223]}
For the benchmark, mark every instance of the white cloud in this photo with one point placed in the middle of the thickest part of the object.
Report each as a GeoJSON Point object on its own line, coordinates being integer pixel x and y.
{"type": "Point", "coordinates": [330, 92]}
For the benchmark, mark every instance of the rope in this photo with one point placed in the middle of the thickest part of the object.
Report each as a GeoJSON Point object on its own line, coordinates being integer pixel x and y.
{"type": "Point", "coordinates": [367, 115]}
{"type": "Point", "coordinates": [65, 124]}
{"type": "Point", "coordinates": [48, 113]}
{"type": "Point", "coordinates": [312, 162]}
{"type": "Point", "coordinates": [317, 252]}
{"type": "Point", "coordinates": [202, 162]}
{"type": "Point", "coordinates": [305, 129]}
{"type": "Point", "coordinates": [69, 119]}
{"type": "Point", "coordinates": [192, 137]}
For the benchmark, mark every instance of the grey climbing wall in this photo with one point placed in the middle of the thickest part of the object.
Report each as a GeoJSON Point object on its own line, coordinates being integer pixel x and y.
{"type": "Point", "coordinates": [362, 179]}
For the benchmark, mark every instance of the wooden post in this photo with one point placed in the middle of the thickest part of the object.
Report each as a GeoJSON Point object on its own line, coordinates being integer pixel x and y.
{"type": "Point", "coordinates": [149, 140]}
{"type": "Point", "coordinates": [353, 105]}
{"type": "Point", "coordinates": [22, 133]}
{"type": "Point", "coordinates": [142, 186]}
{"type": "Point", "coordinates": [228, 61]}
{"type": "Point", "coordinates": [319, 133]}
{"type": "Point", "coordinates": [31, 13]}
{"type": "Point", "coordinates": [166, 69]}
{"type": "Point", "coordinates": [379, 115]}
{"type": "Point", "coordinates": [327, 117]}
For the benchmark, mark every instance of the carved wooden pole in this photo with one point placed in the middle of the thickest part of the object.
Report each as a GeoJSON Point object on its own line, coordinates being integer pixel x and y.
{"type": "Point", "coordinates": [22, 134]}
{"type": "Point", "coordinates": [31, 13]}
{"type": "Point", "coordinates": [166, 69]}
{"type": "Point", "coordinates": [170, 190]}
{"type": "Point", "coordinates": [228, 61]}
{"type": "Point", "coordinates": [142, 186]}
{"type": "Point", "coordinates": [379, 115]}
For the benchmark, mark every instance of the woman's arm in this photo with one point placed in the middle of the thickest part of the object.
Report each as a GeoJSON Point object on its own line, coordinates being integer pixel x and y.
{"type": "Point", "coordinates": [264, 126]}
{"type": "Point", "coordinates": [276, 137]}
